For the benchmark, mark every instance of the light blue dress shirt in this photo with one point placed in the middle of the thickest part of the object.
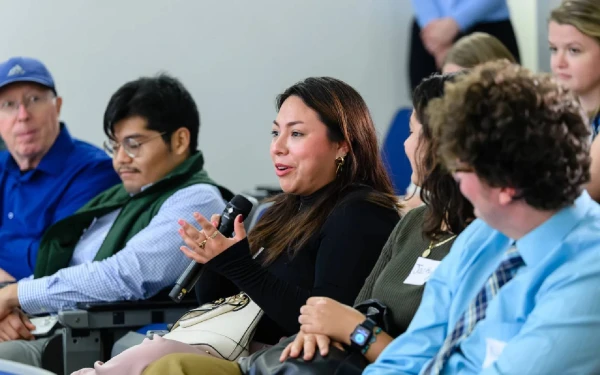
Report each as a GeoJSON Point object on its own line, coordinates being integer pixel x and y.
{"type": "Point", "coordinates": [465, 12]}
{"type": "Point", "coordinates": [149, 262]}
{"type": "Point", "coordinates": [546, 320]}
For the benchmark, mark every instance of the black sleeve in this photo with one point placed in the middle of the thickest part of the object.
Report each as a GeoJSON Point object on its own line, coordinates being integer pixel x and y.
{"type": "Point", "coordinates": [212, 286]}
{"type": "Point", "coordinates": [405, 225]}
{"type": "Point", "coordinates": [351, 241]}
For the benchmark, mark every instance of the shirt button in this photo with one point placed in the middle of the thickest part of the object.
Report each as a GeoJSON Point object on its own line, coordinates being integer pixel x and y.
{"type": "Point", "coordinates": [10, 215]}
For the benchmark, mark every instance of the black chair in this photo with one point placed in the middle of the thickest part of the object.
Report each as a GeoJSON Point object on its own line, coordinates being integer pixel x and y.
{"type": "Point", "coordinates": [87, 334]}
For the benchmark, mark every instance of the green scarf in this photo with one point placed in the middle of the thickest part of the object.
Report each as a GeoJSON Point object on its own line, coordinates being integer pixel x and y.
{"type": "Point", "coordinates": [58, 243]}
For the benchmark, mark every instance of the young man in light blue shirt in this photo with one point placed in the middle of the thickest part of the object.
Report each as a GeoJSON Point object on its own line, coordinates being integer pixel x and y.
{"type": "Point", "coordinates": [519, 291]}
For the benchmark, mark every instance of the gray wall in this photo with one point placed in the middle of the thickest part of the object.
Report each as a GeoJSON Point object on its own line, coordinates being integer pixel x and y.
{"type": "Point", "coordinates": [234, 56]}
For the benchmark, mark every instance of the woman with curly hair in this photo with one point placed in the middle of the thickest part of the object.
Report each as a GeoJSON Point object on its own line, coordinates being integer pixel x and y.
{"type": "Point", "coordinates": [468, 52]}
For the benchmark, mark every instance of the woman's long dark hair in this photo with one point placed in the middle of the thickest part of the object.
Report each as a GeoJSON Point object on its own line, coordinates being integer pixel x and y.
{"type": "Point", "coordinates": [344, 112]}
{"type": "Point", "coordinates": [446, 206]}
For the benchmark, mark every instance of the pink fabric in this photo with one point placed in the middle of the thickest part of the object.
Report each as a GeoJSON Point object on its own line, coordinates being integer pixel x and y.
{"type": "Point", "coordinates": [134, 361]}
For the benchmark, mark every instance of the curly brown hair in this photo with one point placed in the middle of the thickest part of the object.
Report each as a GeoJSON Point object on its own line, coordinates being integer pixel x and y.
{"type": "Point", "coordinates": [515, 129]}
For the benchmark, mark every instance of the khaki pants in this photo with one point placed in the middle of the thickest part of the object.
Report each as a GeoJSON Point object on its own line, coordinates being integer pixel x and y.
{"type": "Point", "coordinates": [192, 364]}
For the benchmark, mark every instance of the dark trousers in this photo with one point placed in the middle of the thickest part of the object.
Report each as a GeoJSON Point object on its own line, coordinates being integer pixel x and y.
{"type": "Point", "coordinates": [422, 64]}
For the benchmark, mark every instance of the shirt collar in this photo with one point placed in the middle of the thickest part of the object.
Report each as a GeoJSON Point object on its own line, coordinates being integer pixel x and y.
{"type": "Point", "coordinates": [541, 241]}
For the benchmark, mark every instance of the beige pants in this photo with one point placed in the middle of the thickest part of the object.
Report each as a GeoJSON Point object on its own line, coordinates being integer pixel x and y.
{"type": "Point", "coordinates": [135, 359]}
{"type": "Point", "coordinates": [192, 364]}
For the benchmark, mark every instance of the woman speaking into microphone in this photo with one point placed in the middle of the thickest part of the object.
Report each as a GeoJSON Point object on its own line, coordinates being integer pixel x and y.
{"type": "Point", "coordinates": [322, 235]}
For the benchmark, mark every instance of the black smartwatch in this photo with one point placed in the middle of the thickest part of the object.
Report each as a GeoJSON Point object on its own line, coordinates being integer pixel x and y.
{"type": "Point", "coordinates": [361, 336]}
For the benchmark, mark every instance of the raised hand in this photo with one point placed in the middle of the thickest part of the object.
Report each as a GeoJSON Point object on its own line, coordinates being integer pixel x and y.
{"type": "Point", "coordinates": [205, 244]}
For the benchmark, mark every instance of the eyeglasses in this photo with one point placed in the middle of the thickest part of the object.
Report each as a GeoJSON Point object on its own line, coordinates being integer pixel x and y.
{"type": "Point", "coordinates": [31, 103]}
{"type": "Point", "coordinates": [131, 146]}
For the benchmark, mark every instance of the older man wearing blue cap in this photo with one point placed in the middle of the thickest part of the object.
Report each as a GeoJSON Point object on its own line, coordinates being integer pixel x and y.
{"type": "Point", "coordinates": [45, 175]}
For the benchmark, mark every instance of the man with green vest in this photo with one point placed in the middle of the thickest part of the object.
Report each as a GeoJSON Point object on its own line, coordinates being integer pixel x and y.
{"type": "Point", "coordinates": [123, 244]}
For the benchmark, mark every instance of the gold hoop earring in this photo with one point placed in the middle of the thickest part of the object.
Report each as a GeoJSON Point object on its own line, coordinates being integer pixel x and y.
{"type": "Point", "coordinates": [339, 161]}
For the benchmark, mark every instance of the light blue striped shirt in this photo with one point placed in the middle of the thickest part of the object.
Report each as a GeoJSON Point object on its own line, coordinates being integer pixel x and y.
{"type": "Point", "coordinates": [150, 261]}
{"type": "Point", "coordinates": [465, 12]}
{"type": "Point", "coordinates": [546, 320]}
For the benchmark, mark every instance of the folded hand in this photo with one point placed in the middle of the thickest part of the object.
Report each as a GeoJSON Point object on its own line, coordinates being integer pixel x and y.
{"type": "Point", "coordinates": [308, 344]}
{"type": "Point", "coordinates": [326, 316]}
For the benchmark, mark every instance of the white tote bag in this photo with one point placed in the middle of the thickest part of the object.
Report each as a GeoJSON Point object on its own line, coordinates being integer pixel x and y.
{"type": "Point", "coordinates": [223, 328]}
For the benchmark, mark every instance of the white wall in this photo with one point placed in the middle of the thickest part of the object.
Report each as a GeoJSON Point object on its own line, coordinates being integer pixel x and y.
{"type": "Point", "coordinates": [530, 20]}
{"type": "Point", "coordinates": [234, 56]}
{"type": "Point", "coordinates": [523, 14]}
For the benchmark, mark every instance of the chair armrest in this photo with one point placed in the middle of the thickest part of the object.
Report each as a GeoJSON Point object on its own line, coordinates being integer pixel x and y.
{"type": "Point", "coordinates": [134, 305]}
{"type": "Point", "coordinates": [128, 314]}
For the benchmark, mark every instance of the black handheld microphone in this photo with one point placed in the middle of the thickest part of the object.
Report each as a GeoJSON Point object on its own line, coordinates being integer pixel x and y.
{"type": "Point", "coordinates": [239, 205]}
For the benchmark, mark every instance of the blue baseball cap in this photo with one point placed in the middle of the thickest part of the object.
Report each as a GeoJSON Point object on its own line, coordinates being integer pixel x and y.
{"type": "Point", "coordinates": [25, 69]}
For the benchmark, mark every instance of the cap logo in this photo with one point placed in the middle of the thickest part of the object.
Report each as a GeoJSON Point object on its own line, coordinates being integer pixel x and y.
{"type": "Point", "coordinates": [16, 70]}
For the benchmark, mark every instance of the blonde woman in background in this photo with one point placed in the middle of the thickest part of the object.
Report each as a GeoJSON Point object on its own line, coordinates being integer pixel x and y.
{"type": "Point", "coordinates": [468, 52]}
{"type": "Point", "coordinates": [574, 38]}
{"type": "Point", "coordinates": [475, 49]}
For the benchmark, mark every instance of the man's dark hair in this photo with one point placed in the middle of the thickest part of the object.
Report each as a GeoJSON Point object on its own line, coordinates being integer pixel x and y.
{"type": "Point", "coordinates": [516, 129]}
{"type": "Point", "coordinates": [162, 100]}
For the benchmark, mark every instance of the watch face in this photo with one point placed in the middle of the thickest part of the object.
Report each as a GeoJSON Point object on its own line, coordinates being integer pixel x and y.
{"type": "Point", "coordinates": [360, 335]}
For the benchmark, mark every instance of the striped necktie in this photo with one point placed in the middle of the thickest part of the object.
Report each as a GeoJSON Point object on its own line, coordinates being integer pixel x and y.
{"type": "Point", "coordinates": [476, 311]}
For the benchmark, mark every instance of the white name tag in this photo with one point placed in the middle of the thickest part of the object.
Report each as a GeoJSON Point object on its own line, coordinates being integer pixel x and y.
{"type": "Point", "coordinates": [492, 352]}
{"type": "Point", "coordinates": [421, 271]}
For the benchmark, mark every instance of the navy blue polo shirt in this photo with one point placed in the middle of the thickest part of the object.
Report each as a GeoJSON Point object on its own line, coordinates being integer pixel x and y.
{"type": "Point", "coordinates": [69, 175]}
